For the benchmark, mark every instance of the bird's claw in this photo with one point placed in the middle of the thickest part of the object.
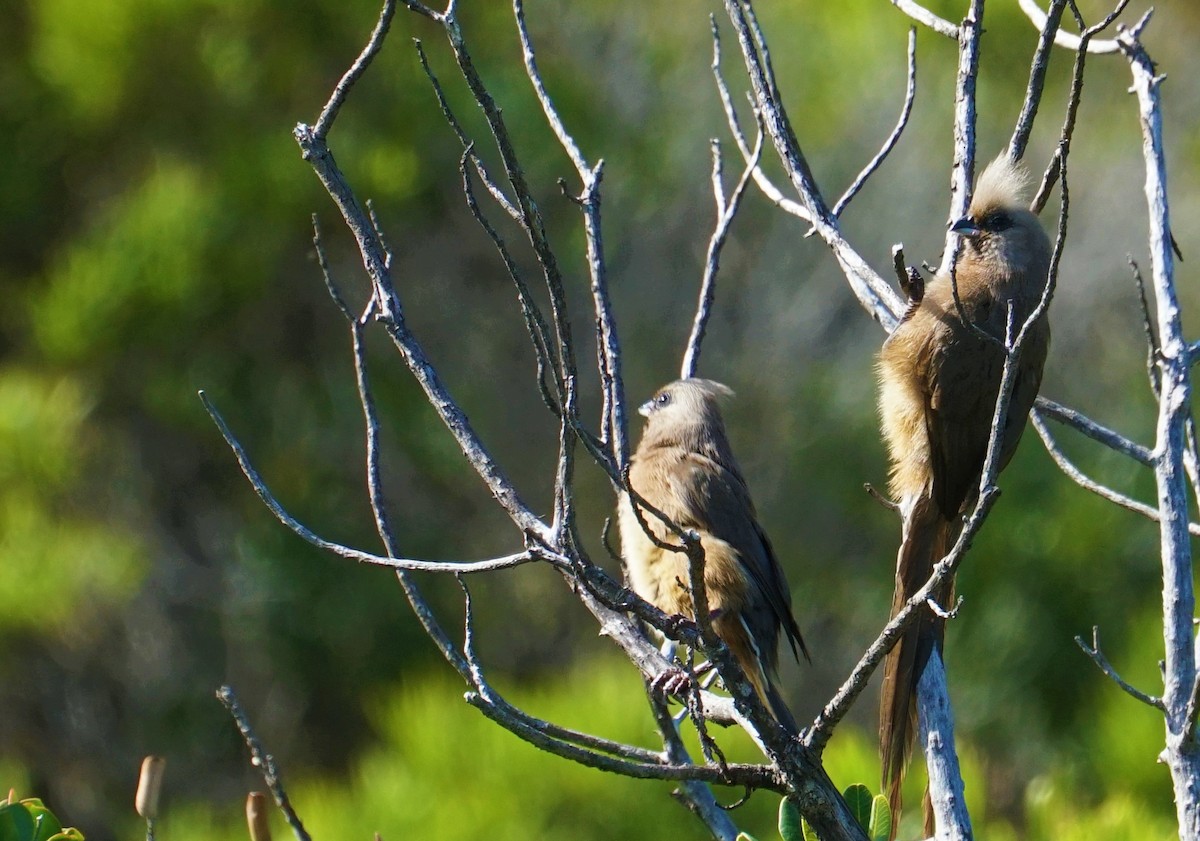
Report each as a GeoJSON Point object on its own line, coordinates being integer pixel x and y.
{"type": "Point", "coordinates": [672, 682]}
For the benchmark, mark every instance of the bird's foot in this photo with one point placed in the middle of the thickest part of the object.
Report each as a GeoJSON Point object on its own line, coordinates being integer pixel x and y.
{"type": "Point", "coordinates": [673, 682]}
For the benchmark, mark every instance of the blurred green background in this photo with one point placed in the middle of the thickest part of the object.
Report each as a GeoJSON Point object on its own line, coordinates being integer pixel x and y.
{"type": "Point", "coordinates": [154, 223]}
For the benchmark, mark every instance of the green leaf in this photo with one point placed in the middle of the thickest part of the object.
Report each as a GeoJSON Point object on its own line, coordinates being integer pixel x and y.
{"type": "Point", "coordinates": [789, 821]}
{"type": "Point", "coordinates": [881, 819]}
{"type": "Point", "coordinates": [858, 798]}
{"type": "Point", "coordinates": [745, 836]}
{"type": "Point", "coordinates": [16, 824]}
{"type": "Point", "coordinates": [810, 834]}
{"type": "Point", "coordinates": [68, 834]}
{"type": "Point", "coordinates": [46, 826]}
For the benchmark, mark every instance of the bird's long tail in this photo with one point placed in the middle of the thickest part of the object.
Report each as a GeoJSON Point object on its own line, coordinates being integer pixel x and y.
{"type": "Point", "coordinates": [928, 537]}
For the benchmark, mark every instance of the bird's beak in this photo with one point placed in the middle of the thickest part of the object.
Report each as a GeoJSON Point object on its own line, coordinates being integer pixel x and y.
{"type": "Point", "coordinates": [966, 227]}
{"type": "Point", "coordinates": [646, 408]}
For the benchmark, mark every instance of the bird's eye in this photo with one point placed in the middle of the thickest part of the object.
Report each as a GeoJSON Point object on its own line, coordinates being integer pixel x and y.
{"type": "Point", "coordinates": [998, 221]}
{"type": "Point", "coordinates": [663, 398]}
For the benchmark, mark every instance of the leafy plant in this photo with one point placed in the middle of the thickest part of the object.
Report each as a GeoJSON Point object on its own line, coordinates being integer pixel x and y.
{"type": "Point", "coordinates": [30, 820]}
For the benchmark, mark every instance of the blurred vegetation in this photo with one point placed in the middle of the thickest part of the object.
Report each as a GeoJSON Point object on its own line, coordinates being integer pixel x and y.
{"type": "Point", "coordinates": [154, 218]}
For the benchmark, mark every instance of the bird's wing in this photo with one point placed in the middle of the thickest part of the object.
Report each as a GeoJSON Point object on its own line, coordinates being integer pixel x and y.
{"type": "Point", "coordinates": [720, 504]}
{"type": "Point", "coordinates": [962, 371]}
{"type": "Point", "coordinates": [963, 378]}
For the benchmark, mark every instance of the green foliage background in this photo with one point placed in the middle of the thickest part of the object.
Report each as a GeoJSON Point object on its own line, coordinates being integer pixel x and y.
{"type": "Point", "coordinates": [154, 223]}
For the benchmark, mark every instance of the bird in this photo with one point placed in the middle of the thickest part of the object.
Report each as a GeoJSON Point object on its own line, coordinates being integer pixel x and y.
{"type": "Point", "coordinates": [939, 379]}
{"type": "Point", "coordinates": [684, 466]}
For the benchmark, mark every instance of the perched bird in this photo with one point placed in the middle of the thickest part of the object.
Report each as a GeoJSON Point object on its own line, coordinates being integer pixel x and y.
{"type": "Point", "coordinates": [685, 468]}
{"type": "Point", "coordinates": [938, 384]}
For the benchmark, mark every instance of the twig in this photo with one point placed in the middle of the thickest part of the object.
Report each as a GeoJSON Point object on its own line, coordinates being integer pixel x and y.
{"type": "Point", "coordinates": [262, 760]}
{"type": "Point", "coordinates": [1077, 476]}
{"type": "Point", "coordinates": [535, 321]}
{"type": "Point", "coordinates": [281, 514]}
{"type": "Point", "coordinates": [1057, 161]}
{"type": "Point", "coordinates": [1064, 39]}
{"type": "Point", "coordinates": [493, 188]}
{"type": "Point", "coordinates": [818, 734]}
{"type": "Point", "coordinates": [1097, 657]}
{"type": "Point", "coordinates": [726, 210]}
{"type": "Point", "coordinates": [880, 301]}
{"type": "Point", "coordinates": [1153, 351]}
{"type": "Point", "coordinates": [910, 93]}
{"type": "Point", "coordinates": [421, 608]}
{"type": "Point", "coordinates": [875, 494]}
{"type": "Point", "coordinates": [330, 111]}
{"type": "Point", "coordinates": [614, 429]}
{"type": "Point", "coordinates": [1097, 432]}
{"type": "Point", "coordinates": [962, 173]}
{"type": "Point", "coordinates": [773, 193]}
{"type": "Point", "coordinates": [927, 18]}
{"type": "Point", "coordinates": [1037, 80]}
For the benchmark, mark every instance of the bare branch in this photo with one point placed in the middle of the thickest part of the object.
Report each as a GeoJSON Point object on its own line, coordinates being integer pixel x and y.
{"type": "Point", "coordinates": [818, 734]}
{"type": "Point", "coordinates": [927, 18]}
{"type": "Point", "coordinates": [880, 301]}
{"type": "Point", "coordinates": [330, 111]}
{"type": "Point", "coordinates": [492, 187]}
{"type": "Point", "coordinates": [1093, 651]}
{"type": "Point", "coordinates": [281, 514]}
{"type": "Point", "coordinates": [1102, 434]}
{"type": "Point", "coordinates": [1065, 39]}
{"type": "Point", "coordinates": [773, 193]}
{"type": "Point", "coordinates": [262, 760]}
{"type": "Point", "coordinates": [936, 722]}
{"type": "Point", "coordinates": [697, 798]}
{"type": "Point", "coordinates": [726, 210]}
{"type": "Point", "coordinates": [910, 94]}
{"type": "Point", "coordinates": [1037, 80]}
{"type": "Point", "coordinates": [416, 600]}
{"type": "Point", "coordinates": [962, 173]}
{"type": "Point", "coordinates": [1081, 479]}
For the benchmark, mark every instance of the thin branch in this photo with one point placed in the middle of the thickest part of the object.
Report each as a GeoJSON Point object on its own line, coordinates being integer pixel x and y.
{"type": "Point", "coordinates": [1081, 479]}
{"type": "Point", "coordinates": [927, 18]}
{"type": "Point", "coordinates": [696, 797]}
{"type": "Point", "coordinates": [962, 173]}
{"type": "Point", "coordinates": [773, 193]}
{"type": "Point", "coordinates": [535, 321]}
{"type": "Point", "coordinates": [1153, 350]}
{"type": "Point", "coordinates": [281, 514]}
{"type": "Point", "coordinates": [1097, 657]}
{"type": "Point", "coordinates": [910, 94]}
{"type": "Point", "coordinates": [879, 299]}
{"type": "Point", "coordinates": [330, 111]}
{"type": "Point", "coordinates": [726, 210]}
{"type": "Point", "coordinates": [1065, 39]}
{"type": "Point", "coordinates": [1101, 434]}
{"type": "Point", "coordinates": [818, 734]}
{"type": "Point", "coordinates": [1037, 81]}
{"type": "Point", "coordinates": [1057, 160]}
{"type": "Point", "coordinates": [614, 426]}
{"type": "Point", "coordinates": [421, 608]}
{"type": "Point", "coordinates": [262, 760]}
{"type": "Point", "coordinates": [492, 187]}
{"type": "Point", "coordinates": [1171, 436]}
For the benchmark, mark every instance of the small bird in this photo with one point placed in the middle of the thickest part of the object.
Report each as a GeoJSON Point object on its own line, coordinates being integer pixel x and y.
{"type": "Point", "coordinates": [938, 384]}
{"type": "Point", "coordinates": [685, 468]}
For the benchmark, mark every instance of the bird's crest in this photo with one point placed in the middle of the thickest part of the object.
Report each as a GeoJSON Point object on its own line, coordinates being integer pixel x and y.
{"type": "Point", "coordinates": [1002, 186]}
{"type": "Point", "coordinates": [710, 387]}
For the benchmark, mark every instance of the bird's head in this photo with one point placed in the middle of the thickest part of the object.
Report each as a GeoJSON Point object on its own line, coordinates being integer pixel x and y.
{"type": "Point", "coordinates": [999, 229]}
{"type": "Point", "coordinates": [685, 402]}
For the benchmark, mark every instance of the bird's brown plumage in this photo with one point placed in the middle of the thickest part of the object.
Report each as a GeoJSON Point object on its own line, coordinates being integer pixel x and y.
{"type": "Point", "coordinates": [685, 467]}
{"type": "Point", "coordinates": [938, 383]}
